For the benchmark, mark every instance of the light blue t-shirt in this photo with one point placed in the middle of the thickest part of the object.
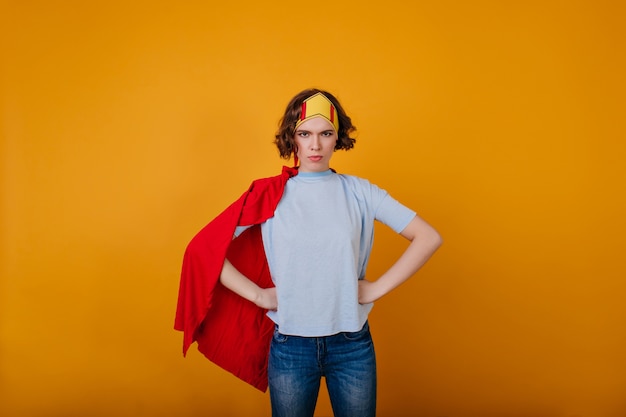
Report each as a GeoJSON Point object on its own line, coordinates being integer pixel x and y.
{"type": "Point", "coordinates": [317, 246]}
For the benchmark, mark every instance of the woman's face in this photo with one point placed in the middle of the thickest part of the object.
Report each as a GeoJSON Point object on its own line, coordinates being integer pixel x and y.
{"type": "Point", "coordinates": [315, 141]}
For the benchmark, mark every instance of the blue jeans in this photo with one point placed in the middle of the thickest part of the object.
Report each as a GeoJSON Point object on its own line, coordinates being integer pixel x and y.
{"type": "Point", "coordinates": [346, 360]}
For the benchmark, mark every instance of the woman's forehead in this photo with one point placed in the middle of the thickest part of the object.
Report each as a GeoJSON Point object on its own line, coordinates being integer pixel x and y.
{"type": "Point", "coordinates": [316, 124]}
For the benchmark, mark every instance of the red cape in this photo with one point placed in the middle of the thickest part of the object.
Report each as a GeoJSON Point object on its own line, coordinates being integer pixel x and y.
{"type": "Point", "coordinates": [231, 331]}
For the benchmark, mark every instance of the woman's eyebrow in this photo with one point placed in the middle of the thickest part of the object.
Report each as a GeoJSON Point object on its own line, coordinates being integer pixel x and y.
{"type": "Point", "coordinates": [309, 131]}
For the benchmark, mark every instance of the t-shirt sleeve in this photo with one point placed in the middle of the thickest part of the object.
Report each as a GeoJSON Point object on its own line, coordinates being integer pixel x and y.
{"type": "Point", "coordinates": [239, 230]}
{"type": "Point", "coordinates": [390, 211]}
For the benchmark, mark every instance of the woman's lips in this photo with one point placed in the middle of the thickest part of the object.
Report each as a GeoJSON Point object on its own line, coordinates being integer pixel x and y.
{"type": "Point", "coordinates": [315, 158]}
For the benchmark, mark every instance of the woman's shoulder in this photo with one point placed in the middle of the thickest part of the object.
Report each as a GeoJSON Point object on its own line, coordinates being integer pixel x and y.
{"type": "Point", "coordinates": [362, 187]}
{"type": "Point", "coordinates": [355, 180]}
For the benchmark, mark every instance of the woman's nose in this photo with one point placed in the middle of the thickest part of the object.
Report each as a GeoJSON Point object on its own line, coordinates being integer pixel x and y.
{"type": "Point", "coordinates": [315, 144]}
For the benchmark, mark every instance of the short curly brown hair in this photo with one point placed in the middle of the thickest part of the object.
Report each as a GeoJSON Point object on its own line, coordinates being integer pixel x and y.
{"type": "Point", "coordinates": [287, 125]}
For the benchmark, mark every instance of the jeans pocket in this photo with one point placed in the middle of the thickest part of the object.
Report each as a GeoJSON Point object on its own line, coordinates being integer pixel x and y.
{"type": "Point", "coordinates": [359, 334]}
{"type": "Point", "coordinates": [279, 337]}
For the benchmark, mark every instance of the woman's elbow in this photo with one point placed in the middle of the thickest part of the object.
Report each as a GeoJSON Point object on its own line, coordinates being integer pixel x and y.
{"type": "Point", "coordinates": [435, 240]}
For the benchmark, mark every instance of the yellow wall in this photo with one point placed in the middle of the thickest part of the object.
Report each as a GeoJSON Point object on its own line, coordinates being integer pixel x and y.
{"type": "Point", "coordinates": [127, 125]}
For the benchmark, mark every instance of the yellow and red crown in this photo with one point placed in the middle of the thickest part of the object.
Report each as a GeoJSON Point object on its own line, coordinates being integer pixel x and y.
{"type": "Point", "coordinates": [318, 105]}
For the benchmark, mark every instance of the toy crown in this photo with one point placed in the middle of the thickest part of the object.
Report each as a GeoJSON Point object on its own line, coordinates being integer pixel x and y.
{"type": "Point", "coordinates": [318, 105]}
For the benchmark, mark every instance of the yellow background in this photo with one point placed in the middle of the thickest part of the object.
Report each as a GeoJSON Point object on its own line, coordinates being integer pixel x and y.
{"type": "Point", "coordinates": [127, 125]}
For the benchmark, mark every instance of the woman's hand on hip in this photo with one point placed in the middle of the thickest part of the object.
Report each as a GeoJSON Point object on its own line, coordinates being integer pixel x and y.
{"type": "Point", "coordinates": [266, 298]}
{"type": "Point", "coordinates": [367, 292]}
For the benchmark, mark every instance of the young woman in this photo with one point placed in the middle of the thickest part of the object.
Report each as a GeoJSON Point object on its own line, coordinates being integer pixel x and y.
{"type": "Point", "coordinates": [317, 244]}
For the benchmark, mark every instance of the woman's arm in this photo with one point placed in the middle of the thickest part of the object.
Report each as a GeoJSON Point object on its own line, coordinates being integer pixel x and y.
{"type": "Point", "coordinates": [235, 281]}
{"type": "Point", "coordinates": [424, 242]}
